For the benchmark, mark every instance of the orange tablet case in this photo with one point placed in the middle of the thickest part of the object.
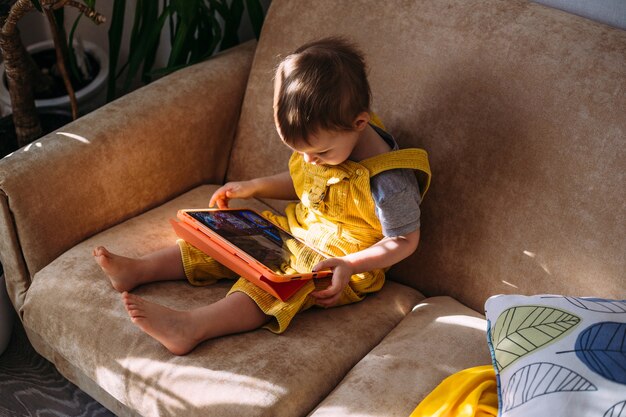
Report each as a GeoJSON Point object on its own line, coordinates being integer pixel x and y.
{"type": "Point", "coordinates": [213, 245]}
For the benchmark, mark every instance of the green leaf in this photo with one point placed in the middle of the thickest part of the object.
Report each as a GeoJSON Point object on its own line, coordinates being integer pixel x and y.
{"type": "Point", "coordinates": [256, 15]}
{"type": "Point", "coordinates": [186, 10]}
{"type": "Point", "coordinates": [37, 5]}
{"type": "Point", "coordinates": [153, 45]}
{"type": "Point", "coordinates": [221, 7]}
{"type": "Point", "coordinates": [210, 34]}
{"type": "Point", "coordinates": [171, 21]}
{"type": "Point", "coordinates": [72, 52]}
{"type": "Point", "coordinates": [115, 40]}
{"type": "Point", "coordinates": [137, 22]}
{"type": "Point", "coordinates": [232, 21]}
{"type": "Point", "coordinates": [144, 32]}
{"type": "Point", "coordinates": [195, 33]}
{"type": "Point", "coordinates": [521, 330]}
{"type": "Point", "coordinates": [179, 51]}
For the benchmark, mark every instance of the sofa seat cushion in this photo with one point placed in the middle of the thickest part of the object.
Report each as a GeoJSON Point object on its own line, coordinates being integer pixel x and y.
{"type": "Point", "coordinates": [438, 338]}
{"type": "Point", "coordinates": [80, 321]}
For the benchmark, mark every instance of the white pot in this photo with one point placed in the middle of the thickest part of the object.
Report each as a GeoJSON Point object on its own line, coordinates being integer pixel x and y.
{"type": "Point", "coordinates": [7, 316]}
{"type": "Point", "coordinates": [89, 98]}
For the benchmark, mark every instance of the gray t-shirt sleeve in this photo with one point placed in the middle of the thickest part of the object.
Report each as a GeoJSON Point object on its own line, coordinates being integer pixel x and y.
{"type": "Point", "coordinates": [397, 198]}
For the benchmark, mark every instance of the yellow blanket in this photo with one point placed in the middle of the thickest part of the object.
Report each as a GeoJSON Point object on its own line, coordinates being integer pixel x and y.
{"type": "Point", "coordinates": [468, 393]}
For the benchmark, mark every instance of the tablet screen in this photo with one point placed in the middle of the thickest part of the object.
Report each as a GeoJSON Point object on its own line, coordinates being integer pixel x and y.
{"type": "Point", "coordinates": [260, 239]}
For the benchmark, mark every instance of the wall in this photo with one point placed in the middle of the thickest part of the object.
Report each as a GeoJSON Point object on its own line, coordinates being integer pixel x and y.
{"type": "Point", "coordinates": [610, 12]}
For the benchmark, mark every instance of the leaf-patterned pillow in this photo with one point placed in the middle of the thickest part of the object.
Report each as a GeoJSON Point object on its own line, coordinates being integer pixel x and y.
{"type": "Point", "coordinates": [558, 356]}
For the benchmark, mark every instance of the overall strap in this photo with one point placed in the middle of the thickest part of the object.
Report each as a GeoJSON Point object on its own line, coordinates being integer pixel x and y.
{"type": "Point", "coordinates": [412, 158]}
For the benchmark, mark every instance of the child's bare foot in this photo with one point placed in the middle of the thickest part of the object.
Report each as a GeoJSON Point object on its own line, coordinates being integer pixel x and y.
{"type": "Point", "coordinates": [172, 328]}
{"type": "Point", "coordinates": [124, 273]}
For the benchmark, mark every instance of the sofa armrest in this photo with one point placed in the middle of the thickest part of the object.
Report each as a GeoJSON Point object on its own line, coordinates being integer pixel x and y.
{"type": "Point", "coordinates": [118, 161]}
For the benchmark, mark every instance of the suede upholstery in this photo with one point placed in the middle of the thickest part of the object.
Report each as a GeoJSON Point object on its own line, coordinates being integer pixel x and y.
{"type": "Point", "coordinates": [289, 374]}
{"type": "Point", "coordinates": [516, 104]}
{"type": "Point", "coordinates": [521, 108]}
{"type": "Point", "coordinates": [432, 339]}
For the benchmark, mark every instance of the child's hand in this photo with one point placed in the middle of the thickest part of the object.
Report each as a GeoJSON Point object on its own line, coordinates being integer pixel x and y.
{"type": "Point", "coordinates": [237, 189]}
{"type": "Point", "coordinates": [342, 271]}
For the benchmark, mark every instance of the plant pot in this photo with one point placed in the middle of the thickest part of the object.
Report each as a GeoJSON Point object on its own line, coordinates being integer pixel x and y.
{"type": "Point", "coordinates": [89, 98]}
{"type": "Point", "coordinates": [7, 315]}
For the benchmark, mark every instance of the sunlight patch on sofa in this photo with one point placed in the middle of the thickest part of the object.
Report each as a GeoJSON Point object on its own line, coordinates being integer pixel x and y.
{"type": "Point", "coordinates": [542, 264]}
{"type": "Point", "coordinates": [420, 305]}
{"type": "Point", "coordinates": [24, 149]}
{"type": "Point", "coordinates": [30, 145]}
{"type": "Point", "coordinates": [334, 411]}
{"type": "Point", "coordinates": [74, 136]}
{"type": "Point", "coordinates": [465, 321]}
{"type": "Point", "coordinates": [172, 386]}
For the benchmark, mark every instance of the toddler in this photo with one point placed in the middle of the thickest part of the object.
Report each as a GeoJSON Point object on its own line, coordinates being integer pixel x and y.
{"type": "Point", "coordinates": [358, 203]}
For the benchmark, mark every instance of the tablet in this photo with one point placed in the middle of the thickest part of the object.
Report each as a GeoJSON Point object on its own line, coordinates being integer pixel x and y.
{"type": "Point", "coordinates": [246, 242]}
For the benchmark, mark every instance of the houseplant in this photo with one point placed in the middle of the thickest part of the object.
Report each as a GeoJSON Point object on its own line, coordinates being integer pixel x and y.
{"type": "Point", "coordinates": [23, 76]}
{"type": "Point", "coordinates": [197, 29]}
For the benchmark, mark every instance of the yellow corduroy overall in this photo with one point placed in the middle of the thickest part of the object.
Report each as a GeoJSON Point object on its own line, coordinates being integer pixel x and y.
{"type": "Point", "coordinates": [336, 214]}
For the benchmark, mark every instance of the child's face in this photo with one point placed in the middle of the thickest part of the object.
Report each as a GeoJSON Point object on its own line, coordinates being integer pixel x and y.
{"type": "Point", "coordinates": [327, 147]}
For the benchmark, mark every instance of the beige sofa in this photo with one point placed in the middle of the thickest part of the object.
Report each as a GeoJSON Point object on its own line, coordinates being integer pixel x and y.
{"type": "Point", "coordinates": [522, 110]}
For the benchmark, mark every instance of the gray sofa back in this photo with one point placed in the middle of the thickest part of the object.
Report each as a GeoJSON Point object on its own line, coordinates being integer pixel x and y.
{"type": "Point", "coordinates": [521, 108]}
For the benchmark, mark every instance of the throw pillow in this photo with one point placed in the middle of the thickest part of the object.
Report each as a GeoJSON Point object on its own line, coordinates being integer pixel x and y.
{"type": "Point", "coordinates": [558, 356]}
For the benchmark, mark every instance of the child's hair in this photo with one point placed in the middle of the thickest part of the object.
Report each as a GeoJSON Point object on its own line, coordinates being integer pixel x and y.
{"type": "Point", "coordinates": [321, 85]}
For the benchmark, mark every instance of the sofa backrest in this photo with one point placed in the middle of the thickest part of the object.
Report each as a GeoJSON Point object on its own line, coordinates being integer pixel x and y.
{"type": "Point", "coordinates": [522, 109]}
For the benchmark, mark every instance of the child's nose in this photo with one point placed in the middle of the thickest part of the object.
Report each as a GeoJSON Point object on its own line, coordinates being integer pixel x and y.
{"type": "Point", "coordinates": [310, 158]}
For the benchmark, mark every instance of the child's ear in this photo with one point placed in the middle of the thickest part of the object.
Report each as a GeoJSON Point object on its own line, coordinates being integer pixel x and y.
{"type": "Point", "coordinates": [361, 121]}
